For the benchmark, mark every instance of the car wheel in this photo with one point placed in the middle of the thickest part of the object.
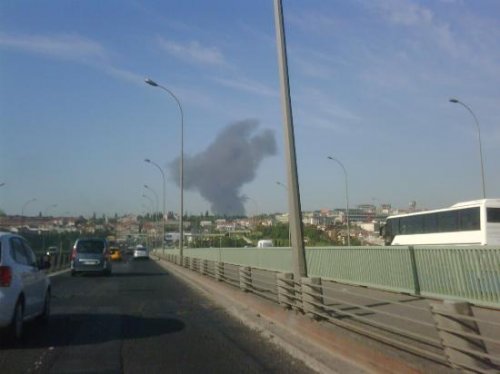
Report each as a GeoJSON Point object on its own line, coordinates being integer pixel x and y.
{"type": "Point", "coordinates": [17, 321]}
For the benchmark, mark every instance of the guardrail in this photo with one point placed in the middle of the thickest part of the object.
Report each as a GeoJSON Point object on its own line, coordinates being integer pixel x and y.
{"type": "Point", "coordinates": [469, 274]}
{"type": "Point", "coordinates": [445, 332]}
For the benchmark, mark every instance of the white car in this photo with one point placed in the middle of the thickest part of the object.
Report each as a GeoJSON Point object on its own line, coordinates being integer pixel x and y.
{"type": "Point", "coordinates": [24, 288]}
{"type": "Point", "coordinates": [141, 252]}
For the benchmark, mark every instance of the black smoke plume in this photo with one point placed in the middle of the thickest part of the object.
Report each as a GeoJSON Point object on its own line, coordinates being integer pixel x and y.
{"type": "Point", "coordinates": [219, 172]}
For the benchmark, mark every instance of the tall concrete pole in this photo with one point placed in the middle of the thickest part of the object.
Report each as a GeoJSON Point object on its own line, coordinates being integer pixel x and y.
{"type": "Point", "coordinates": [295, 213]}
{"type": "Point", "coordinates": [289, 232]}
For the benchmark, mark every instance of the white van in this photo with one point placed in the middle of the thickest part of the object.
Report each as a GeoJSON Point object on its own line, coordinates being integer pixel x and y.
{"type": "Point", "coordinates": [264, 243]}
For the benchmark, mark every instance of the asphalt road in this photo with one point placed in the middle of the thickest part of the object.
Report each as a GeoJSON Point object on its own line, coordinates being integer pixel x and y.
{"type": "Point", "coordinates": [139, 320]}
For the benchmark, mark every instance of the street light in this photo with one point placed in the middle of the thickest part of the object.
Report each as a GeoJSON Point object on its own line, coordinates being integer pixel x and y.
{"type": "Point", "coordinates": [246, 197]}
{"type": "Point", "coordinates": [157, 200]}
{"type": "Point", "coordinates": [181, 221]}
{"type": "Point", "coordinates": [257, 209]}
{"type": "Point", "coordinates": [346, 199]}
{"type": "Point", "coordinates": [164, 183]}
{"type": "Point", "coordinates": [151, 201]}
{"type": "Point", "coordinates": [49, 207]}
{"type": "Point", "coordinates": [282, 185]}
{"type": "Point", "coordinates": [156, 205]}
{"type": "Point", "coordinates": [456, 101]}
{"type": "Point", "coordinates": [46, 215]}
{"type": "Point", "coordinates": [25, 205]}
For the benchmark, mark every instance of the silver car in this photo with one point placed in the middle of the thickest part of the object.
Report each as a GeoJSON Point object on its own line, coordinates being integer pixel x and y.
{"type": "Point", "coordinates": [91, 255]}
{"type": "Point", "coordinates": [24, 288]}
{"type": "Point", "coordinates": [141, 252]}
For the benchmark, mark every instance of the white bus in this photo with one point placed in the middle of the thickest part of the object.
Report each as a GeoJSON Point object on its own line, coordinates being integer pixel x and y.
{"type": "Point", "coordinates": [468, 223]}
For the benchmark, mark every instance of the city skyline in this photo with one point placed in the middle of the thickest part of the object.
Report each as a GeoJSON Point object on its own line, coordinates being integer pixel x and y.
{"type": "Point", "coordinates": [370, 83]}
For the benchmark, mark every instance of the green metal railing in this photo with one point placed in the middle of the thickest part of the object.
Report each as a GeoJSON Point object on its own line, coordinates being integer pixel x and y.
{"type": "Point", "coordinates": [461, 273]}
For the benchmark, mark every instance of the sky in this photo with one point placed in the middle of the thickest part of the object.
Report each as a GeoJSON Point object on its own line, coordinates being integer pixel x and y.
{"type": "Point", "coordinates": [370, 85]}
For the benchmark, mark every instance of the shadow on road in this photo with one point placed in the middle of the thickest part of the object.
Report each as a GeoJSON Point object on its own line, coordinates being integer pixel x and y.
{"type": "Point", "coordinates": [80, 329]}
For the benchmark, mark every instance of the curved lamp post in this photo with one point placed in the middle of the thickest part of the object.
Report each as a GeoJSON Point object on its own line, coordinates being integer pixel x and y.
{"type": "Point", "coordinates": [152, 204]}
{"type": "Point", "coordinates": [157, 200]}
{"type": "Point", "coordinates": [181, 218]}
{"type": "Point", "coordinates": [150, 200]}
{"type": "Point", "coordinates": [49, 207]}
{"type": "Point", "coordinates": [346, 200]}
{"type": "Point", "coordinates": [164, 183]}
{"type": "Point", "coordinates": [456, 101]}
{"type": "Point", "coordinates": [46, 215]}
{"type": "Point", "coordinates": [247, 198]}
{"type": "Point", "coordinates": [157, 205]}
{"type": "Point", "coordinates": [25, 205]}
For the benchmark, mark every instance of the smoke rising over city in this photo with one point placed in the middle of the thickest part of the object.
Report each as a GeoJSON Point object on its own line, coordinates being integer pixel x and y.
{"type": "Point", "coordinates": [219, 172]}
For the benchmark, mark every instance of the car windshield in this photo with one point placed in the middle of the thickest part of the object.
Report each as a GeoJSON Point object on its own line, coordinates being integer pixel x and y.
{"type": "Point", "coordinates": [90, 246]}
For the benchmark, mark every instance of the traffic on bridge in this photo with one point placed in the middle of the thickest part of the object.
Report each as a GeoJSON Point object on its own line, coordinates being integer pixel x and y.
{"type": "Point", "coordinates": [249, 186]}
{"type": "Point", "coordinates": [140, 319]}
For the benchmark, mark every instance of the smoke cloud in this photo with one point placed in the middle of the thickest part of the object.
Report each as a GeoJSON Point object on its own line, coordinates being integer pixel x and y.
{"type": "Point", "coordinates": [219, 172]}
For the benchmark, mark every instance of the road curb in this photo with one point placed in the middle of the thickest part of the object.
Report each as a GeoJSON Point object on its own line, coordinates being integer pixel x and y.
{"type": "Point", "coordinates": [59, 272]}
{"type": "Point", "coordinates": [321, 350]}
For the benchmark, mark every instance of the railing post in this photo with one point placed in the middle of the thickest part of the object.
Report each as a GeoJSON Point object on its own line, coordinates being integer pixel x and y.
{"type": "Point", "coordinates": [219, 271]}
{"type": "Point", "coordinates": [312, 297]}
{"type": "Point", "coordinates": [192, 263]}
{"type": "Point", "coordinates": [245, 276]}
{"type": "Point", "coordinates": [286, 290]}
{"type": "Point", "coordinates": [185, 261]}
{"type": "Point", "coordinates": [450, 326]}
{"type": "Point", "coordinates": [204, 267]}
{"type": "Point", "coordinates": [414, 270]}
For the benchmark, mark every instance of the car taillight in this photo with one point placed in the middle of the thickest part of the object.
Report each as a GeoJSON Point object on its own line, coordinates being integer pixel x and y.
{"type": "Point", "coordinates": [5, 276]}
{"type": "Point", "coordinates": [73, 253]}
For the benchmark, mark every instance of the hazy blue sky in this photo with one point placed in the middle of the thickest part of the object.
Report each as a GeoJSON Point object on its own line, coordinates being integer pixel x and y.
{"type": "Point", "coordinates": [370, 82]}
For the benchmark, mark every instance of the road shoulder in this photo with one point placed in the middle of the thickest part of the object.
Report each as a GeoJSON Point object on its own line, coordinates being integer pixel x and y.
{"type": "Point", "coordinates": [319, 348]}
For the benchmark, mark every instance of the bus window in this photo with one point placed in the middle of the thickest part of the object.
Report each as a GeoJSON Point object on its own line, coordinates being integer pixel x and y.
{"type": "Point", "coordinates": [388, 230]}
{"type": "Point", "coordinates": [415, 224]}
{"type": "Point", "coordinates": [447, 221]}
{"type": "Point", "coordinates": [394, 230]}
{"type": "Point", "coordinates": [469, 219]}
{"type": "Point", "coordinates": [493, 215]}
{"type": "Point", "coordinates": [431, 223]}
{"type": "Point", "coordinates": [404, 227]}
